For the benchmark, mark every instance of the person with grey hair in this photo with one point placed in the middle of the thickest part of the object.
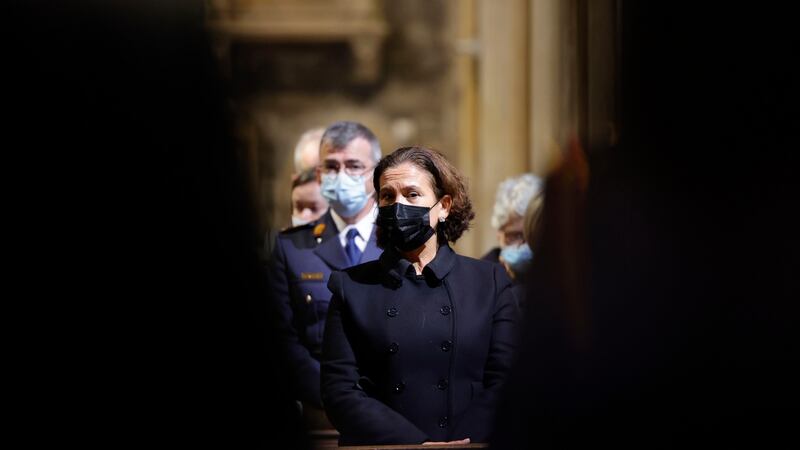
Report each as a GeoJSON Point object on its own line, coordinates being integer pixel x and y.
{"type": "Point", "coordinates": [511, 207]}
{"type": "Point", "coordinates": [306, 152]}
{"type": "Point", "coordinates": [304, 256]}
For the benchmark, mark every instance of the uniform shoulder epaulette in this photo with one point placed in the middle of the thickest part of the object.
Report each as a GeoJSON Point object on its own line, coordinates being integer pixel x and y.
{"type": "Point", "coordinates": [301, 233]}
{"type": "Point", "coordinates": [291, 230]}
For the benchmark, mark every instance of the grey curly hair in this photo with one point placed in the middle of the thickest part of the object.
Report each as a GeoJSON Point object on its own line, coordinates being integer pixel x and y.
{"type": "Point", "coordinates": [513, 196]}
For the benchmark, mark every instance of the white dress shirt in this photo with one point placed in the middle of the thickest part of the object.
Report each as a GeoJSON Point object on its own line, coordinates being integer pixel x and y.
{"type": "Point", "coordinates": [364, 227]}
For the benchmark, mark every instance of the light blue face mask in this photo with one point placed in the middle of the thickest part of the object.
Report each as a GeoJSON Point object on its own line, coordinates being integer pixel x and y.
{"type": "Point", "coordinates": [346, 194]}
{"type": "Point", "coordinates": [518, 257]}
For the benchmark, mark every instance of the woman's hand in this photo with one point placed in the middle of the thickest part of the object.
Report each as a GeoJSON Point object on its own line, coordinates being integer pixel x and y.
{"type": "Point", "coordinates": [461, 442]}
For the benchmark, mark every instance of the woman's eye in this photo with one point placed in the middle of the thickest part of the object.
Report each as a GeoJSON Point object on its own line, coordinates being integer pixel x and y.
{"type": "Point", "coordinates": [412, 195]}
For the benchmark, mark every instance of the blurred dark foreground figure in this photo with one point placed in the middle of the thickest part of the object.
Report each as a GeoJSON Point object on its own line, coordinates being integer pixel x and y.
{"type": "Point", "coordinates": [663, 306]}
{"type": "Point", "coordinates": [167, 339]}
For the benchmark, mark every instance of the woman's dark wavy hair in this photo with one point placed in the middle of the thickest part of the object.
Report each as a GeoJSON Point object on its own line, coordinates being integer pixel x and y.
{"type": "Point", "coordinates": [446, 180]}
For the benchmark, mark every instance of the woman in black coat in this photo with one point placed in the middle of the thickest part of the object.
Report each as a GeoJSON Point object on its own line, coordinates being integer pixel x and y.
{"type": "Point", "coordinates": [418, 343]}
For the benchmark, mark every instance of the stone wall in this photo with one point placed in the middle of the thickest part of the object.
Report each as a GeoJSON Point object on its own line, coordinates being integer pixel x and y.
{"type": "Point", "coordinates": [283, 88]}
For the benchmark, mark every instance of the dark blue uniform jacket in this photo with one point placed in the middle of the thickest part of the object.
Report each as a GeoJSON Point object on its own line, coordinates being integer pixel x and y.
{"type": "Point", "coordinates": [302, 261]}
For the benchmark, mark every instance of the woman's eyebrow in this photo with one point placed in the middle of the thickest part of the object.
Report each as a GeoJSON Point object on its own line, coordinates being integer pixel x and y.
{"type": "Point", "coordinates": [402, 187]}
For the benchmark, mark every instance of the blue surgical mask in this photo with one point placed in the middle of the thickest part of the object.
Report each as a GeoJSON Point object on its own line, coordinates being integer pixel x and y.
{"type": "Point", "coordinates": [346, 194]}
{"type": "Point", "coordinates": [518, 257]}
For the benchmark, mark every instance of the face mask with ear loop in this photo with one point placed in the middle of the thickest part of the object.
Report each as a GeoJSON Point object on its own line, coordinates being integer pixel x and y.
{"type": "Point", "coordinates": [346, 194]}
{"type": "Point", "coordinates": [408, 227]}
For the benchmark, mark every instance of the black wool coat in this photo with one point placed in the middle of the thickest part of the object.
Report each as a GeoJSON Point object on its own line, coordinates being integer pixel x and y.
{"type": "Point", "coordinates": [400, 370]}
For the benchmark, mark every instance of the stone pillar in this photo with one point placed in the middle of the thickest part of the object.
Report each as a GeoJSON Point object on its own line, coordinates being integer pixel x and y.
{"type": "Point", "coordinates": [461, 112]}
{"type": "Point", "coordinates": [547, 88]}
{"type": "Point", "coordinates": [502, 107]}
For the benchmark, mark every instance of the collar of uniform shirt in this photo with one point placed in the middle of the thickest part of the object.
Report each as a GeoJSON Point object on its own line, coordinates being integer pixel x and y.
{"type": "Point", "coordinates": [364, 227]}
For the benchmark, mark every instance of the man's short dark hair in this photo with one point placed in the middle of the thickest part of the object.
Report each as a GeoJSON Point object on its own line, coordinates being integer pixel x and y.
{"type": "Point", "coordinates": [340, 134]}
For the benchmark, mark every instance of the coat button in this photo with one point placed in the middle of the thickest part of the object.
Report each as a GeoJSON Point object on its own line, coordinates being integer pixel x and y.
{"type": "Point", "coordinates": [442, 384]}
{"type": "Point", "coordinates": [443, 421]}
{"type": "Point", "coordinates": [392, 312]}
{"type": "Point", "coordinates": [308, 298]}
{"type": "Point", "coordinates": [446, 346]}
{"type": "Point", "coordinates": [399, 388]}
{"type": "Point", "coordinates": [445, 310]}
{"type": "Point", "coordinates": [393, 348]}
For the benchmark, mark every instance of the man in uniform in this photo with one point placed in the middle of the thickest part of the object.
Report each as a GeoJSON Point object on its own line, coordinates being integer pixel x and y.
{"type": "Point", "coordinates": [304, 256]}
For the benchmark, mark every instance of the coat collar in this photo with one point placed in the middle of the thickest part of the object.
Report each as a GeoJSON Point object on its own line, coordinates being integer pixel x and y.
{"type": "Point", "coordinates": [396, 266]}
{"type": "Point", "coordinates": [325, 227]}
{"type": "Point", "coordinates": [329, 248]}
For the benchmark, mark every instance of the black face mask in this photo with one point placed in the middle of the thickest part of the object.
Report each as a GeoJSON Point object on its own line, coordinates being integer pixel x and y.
{"type": "Point", "coordinates": [407, 227]}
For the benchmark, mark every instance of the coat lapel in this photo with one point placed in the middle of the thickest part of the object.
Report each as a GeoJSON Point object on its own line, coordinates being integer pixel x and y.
{"type": "Point", "coordinates": [330, 249]}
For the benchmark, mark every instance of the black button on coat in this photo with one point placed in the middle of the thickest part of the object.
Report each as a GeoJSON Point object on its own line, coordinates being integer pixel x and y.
{"type": "Point", "coordinates": [360, 378]}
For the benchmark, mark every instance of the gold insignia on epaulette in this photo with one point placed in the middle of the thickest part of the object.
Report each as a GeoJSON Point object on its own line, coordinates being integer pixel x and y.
{"type": "Point", "coordinates": [318, 230]}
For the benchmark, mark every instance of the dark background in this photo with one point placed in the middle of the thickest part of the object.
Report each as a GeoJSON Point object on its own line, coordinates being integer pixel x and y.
{"type": "Point", "coordinates": [148, 323]}
{"type": "Point", "coordinates": [662, 301]}
{"type": "Point", "coordinates": [146, 312]}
